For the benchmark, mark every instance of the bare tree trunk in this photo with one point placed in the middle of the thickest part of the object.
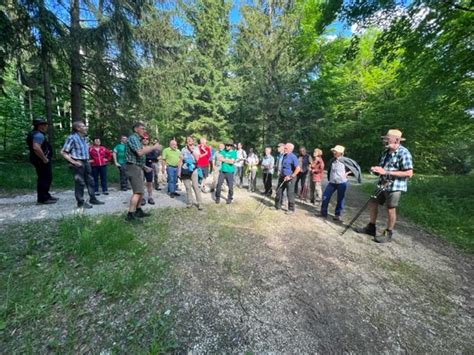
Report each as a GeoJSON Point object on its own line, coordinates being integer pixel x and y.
{"type": "Point", "coordinates": [75, 62]}
{"type": "Point", "coordinates": [45, 67]}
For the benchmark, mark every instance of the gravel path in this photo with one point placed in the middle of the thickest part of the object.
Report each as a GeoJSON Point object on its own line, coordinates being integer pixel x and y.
{"type": "Point", "coordinates": [23, 208]}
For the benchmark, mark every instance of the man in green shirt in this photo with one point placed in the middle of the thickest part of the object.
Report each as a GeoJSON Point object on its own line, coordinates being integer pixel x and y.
{"type": "Point", "coordinates": [169, 161]}
{"type": "Point", "coordinates": [119, 160]}
{"type": "Point", "coordinates": [228, 158]}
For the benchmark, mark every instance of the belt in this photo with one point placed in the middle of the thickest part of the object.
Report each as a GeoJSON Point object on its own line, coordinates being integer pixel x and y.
{"type": "Point", "coordinates": [172, 166]}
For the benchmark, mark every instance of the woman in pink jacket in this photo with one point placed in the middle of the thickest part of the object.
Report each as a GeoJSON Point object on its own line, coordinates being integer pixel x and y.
{"type": "Point", "coordinates": [317, 169]}
{"type": "Point", "coordinates": [99, 158]}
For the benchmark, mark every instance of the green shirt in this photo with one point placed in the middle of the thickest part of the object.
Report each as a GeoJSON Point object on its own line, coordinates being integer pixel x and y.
{"type": "Point", "coordinates": [134, 144]}
{"type": "Point", "coordinates": [170, 156]}
{"type": "Point", "coordinates": [119, 151]}
{"type": "Point", "coordinates": [228, 154]}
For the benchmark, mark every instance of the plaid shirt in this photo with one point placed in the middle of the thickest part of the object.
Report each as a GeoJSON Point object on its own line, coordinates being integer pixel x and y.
{"type": "Point", "coordinates": [76, 146]}
{"type": "Point", "coordinates": [133, 145]}
{"type": "Point", "coordinates": [399, 160]}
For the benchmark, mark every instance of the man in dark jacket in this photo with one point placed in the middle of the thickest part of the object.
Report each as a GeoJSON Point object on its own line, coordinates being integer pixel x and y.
{"type": "Point", "coordinates": [41, 153]}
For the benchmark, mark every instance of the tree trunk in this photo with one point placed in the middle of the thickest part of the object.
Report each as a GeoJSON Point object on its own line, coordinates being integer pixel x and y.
{"type": "Point", "coordinates": [45, 67]}
{"type": "Point", "coordinates": [75, 62]}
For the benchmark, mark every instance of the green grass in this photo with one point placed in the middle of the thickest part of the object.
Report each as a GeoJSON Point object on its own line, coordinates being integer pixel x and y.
{"type": "Point", "coordinates": [441, 204]}
{"type": "Point", "coordinates": [21, 176]}
{"type": "Point", "coordinates": [95, 271]}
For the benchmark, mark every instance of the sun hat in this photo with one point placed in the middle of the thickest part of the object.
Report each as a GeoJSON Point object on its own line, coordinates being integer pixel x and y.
{"type": "Point", "coordinates": [394, 133]}
{"type": "Point", "coordinates": [39, 121]}
{"type": "Point", "coordinates": [338, 149]}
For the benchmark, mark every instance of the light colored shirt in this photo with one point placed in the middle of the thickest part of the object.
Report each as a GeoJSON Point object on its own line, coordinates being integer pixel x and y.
{"type": "Point", "coordinates": [252, 161]}
{"type": "Point", "coordinates": [268, 162]}
{"type": "Point", "coordinates": [338, 172]}
{"type": "Point", "coordinates": [241, 156]}
{"type": "Point", "coordinates": [171, 157]}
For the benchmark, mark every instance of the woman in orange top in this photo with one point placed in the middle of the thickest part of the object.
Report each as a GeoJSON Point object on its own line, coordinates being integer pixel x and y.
{"type": "Point", "coordinates": [317, 169]}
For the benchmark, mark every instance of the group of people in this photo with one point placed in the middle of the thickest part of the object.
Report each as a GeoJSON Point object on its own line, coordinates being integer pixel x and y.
{"type": "Point", "coordinates": [200, 165]}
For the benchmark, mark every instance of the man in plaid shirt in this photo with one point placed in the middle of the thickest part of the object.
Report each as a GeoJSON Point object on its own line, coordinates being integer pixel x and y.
{"type": "Point", "coordinates": [396, 167]}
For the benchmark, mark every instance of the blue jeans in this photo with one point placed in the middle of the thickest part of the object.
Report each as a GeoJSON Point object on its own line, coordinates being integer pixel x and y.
{"type": "Point", "coordinates": [341, 193]}
{"type": "Point", "coordinates": [172, 178]}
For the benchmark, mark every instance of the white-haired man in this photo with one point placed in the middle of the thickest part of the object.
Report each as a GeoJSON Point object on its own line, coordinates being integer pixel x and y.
{"type": "Point", "coordinates": [395, 167]}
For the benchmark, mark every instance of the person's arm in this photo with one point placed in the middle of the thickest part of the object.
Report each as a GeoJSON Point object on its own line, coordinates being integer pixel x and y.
{"type": "Point", "coordinates": [180, 164]}
{"type": "Point", "coordinates": [114, 155]}
{"type": "Point", "coordinates": [68, 157]}
{"type": "Point", "coordinates": [39, 153]}
{"type": "Point", "coordinates": [163, 162]}
{"type": "Point", "coordinates": [108, 155]}
{"type": "Point", "coordinates": [65, 153]}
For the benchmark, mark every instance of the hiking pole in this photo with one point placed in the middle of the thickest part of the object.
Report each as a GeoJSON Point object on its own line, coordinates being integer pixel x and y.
{"type": "Point", "coordinates": [380, 188]}
{"type": "Point", "coordinates": [261, 206]}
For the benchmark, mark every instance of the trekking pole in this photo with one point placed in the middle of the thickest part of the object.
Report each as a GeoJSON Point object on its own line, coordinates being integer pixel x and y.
{"type": "Point", "coordinates": [380, 188]}
{"type": "Point", "coordinates": [261, 206]}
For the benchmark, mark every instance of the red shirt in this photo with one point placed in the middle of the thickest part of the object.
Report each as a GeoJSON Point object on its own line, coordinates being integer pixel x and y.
{"type": "Point", "coordinates": [317, 169]}
{"type": "Point", "coordinates": [99, 156]}
{"type": "Point", "coordinates": [205, 152]}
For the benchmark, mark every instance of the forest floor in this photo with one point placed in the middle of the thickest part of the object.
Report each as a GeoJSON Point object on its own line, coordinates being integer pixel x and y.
{"type": "Point", "coordinates": [236, 281]}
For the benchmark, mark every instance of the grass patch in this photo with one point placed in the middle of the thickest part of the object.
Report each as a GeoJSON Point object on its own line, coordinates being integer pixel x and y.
{"type": "Point", "coordinates": [91, 271]}
{"type": "Point", "coordinates": [441, 204]}
{"type": "Point", "coordinates": [21, 176]}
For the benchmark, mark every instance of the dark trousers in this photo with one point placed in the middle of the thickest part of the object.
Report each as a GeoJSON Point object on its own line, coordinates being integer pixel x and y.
{"type": "Point", "coordinates": [289, 186]}
{"type": "Point", "coordinates": [328, 192]}
{"type": "Point", "coordinates": [82, 178]}
{"type": "Point", "coordinates": [229, 178]}
{"type": "Point", "coordinates": [100, 171]}
{"type": "Point", "coordinates": [300, 181]}
{"type": "Point", "coordinates": [45, 178]}
{"type": "Point", "coordinates": [267, 183]}
{"type": "Point", "coordinates": [123, 177]}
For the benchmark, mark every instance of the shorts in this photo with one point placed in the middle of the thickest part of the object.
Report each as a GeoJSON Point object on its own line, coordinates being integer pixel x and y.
{"type": "Point", "coordinates": [205, 171]}
{"type": "Point", "coordinates": [135, 176]}
{"type": "Point", "coordinates": [148, 176]}
{"type": "Point", "coordinates": [390, 198]}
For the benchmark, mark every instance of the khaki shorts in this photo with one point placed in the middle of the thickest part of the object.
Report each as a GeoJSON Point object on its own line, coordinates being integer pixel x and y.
{"type": "Point", "coordinates": [390, 198]}
{"type": "Point", "coordinates": [135, 176]}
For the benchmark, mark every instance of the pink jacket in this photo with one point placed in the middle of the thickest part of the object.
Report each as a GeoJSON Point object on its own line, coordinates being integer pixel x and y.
{"type": "Point", "coordinates": [99, 156]}
{"type": "Point", "coordinates": [317, 169]}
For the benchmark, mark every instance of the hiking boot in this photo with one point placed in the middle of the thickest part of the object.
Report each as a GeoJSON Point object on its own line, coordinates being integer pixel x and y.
{"type": "Point", "coordinates": [319, 214]}
{"type": "Point", "coordinates": [131, 217]}
{"type": "Point", "coordinates": [290, 212]}
{"type": "Point", "coordinates": [228, 202]}
{"type": "Point", "coordinates": [368, 229]}
{"type": "Point", "coordinates": [97, 193]}
{"type": "Point", "coordinates": [51, 198]}
{"type": "Point", "coordinates": [105, 193]}
{"type": "Point", "coordinates": [218, 201]}
{"type": "Point", "coordinates": [151, 201]}
{"type": "Point", "coordinates": [171, 195]}
{"type": "Point", "coordinates": [95, 201]}
{"type": "Point", "coordinates": [47, 202]}
{"type": "Point", "coordinates": [386, 237]}
{"type": "Point", "coordinates": [139, 213]}
{"type": "Point", "coordinates": [200, 208]}
{"type": "Point", "coordinates": [337, 219]}
{"type": "Point", "coordinates": [176, 194]}
{"type": "Point", "coordinates": [83, 205]}
{"type": "Point", "coordinates": [143, 203]}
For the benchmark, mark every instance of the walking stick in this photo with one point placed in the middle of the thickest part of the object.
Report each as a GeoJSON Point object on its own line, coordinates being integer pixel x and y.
{"type": "Point", "coordinates": [261, 206]}
{"type": "Point", "coordinates": [380, 188]}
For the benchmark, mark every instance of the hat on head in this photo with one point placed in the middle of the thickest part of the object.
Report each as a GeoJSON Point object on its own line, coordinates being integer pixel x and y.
{"type": "Point", "coordinates": [394, 133]}
{"type": "Point", "coordinates": [38, 121]}
{"type": "Point", "coordinates": [229, 142]}
{"type": "Point", "coordinates": [338, 149]}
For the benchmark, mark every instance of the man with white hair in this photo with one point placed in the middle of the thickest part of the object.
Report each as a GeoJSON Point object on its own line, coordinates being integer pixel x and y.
{"type": "Point", "coordinates": [395, 168]}
{"type": "Point", "coordinates": [286, 179]}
